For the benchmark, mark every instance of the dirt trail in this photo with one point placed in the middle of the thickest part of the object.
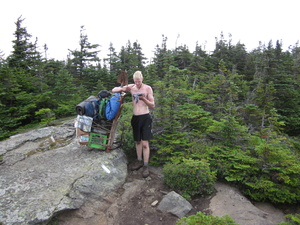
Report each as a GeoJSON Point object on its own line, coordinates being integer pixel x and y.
{"type": "Point", "coordinates": [132, 204]}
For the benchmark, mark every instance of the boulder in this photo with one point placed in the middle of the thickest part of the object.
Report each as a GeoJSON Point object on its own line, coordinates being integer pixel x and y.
{"type": "Point", "coordinates": [45, 172]}
{"type": "Point", "coordinates": [228, 200]}
{"type": "Point", "coordinates": [175, 204]}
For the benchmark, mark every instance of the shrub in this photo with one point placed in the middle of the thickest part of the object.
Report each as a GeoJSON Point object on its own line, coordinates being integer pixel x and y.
{"type": "Point", "coordinates": [45, 115]}
{"type": "Point", "coordinates": [277, 179]}
{"type": "Point", "coordinates": [264, 171]}
{"type": "Point", "coordinates": [291, 220]}
{"type": "Point", "coordinates": [189, 177]}
{"type": "Point", "coordinates": [125, 132]}
{"type": "Point", "coordinates": [201, 218]}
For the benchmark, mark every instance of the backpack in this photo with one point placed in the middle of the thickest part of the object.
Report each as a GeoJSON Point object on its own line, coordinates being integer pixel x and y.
{"type": "Point", "coordinates": [102, 107]}
{"type": "Point", "coordinates": [104, 94]}
{"type": "Point", "coordinates": [112, 106]}
{"type": "Point", "coordinates": [91, 109]}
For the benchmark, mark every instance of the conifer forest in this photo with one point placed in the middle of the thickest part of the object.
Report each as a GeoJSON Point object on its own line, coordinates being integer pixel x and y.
{"type": "Point", "coordinates": [237, 112]}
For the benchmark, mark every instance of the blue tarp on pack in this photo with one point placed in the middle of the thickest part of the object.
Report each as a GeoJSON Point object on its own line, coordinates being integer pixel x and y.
{"type": "Point", "coordinates": [112, 106]}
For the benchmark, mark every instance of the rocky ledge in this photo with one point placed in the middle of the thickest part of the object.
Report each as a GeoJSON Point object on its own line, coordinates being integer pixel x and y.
{"type": "Point", "coordinates": [45, 172]}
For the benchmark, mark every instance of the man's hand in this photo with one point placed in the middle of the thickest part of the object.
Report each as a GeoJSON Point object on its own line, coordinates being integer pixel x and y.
{"type": "Point", "coordinates": [126, 88]}
{"type": "Point", "coordinates": [142, 97]}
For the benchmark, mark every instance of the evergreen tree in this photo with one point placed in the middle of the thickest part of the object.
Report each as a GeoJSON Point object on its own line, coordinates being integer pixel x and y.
{"type": "Point", "coordinates": [84, 61]}
{"type": "Point", "coordinates": [273, 70]}
{"type": "Point", "coordinates": [1, 57]}
{"type": "Point", "coordinates": [25, 75]}
{"type": "Point", "coordinates": [8, 119]}
{"type": "Point", "coordinates": [132, 58]}
{"type": "Point", "coordinates": [139, 56]}
{"type": "Point", "coordinates": [113, 66]}
{"type": "Point", "coordinates": [163, 58]}
{"type": "Point", "coordinates": [113, 62]}
{"type": "Point", "coordinates": [65, 94]}
{"type": "Point", "coordinates": [287, 98]}
{"type": "Point", "coordinates": [107, 79]}
{"type": "Point", "coordinates": [25, 54]}
{"type": "Point", "coordinates": [182, 57]}
{"type": "Point", "coordinates": [234, 56]}
{"type": "Point", "coordinates": [221, 52]}
{"type": "Point", "coordinates": [200, 61]}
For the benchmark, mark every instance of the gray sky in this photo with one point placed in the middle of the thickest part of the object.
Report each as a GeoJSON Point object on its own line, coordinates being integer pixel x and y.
{"type": "Point", "coordinates": [57, 23]}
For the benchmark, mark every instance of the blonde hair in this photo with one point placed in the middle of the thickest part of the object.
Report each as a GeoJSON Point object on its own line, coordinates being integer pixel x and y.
{"type": "Point", "coordinates": [138, 75]}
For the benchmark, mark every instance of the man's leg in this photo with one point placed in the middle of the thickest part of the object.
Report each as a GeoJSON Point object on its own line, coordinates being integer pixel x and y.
{"type": "Point", "coordinates": [146, 154]}
{"type": "Point", "coordinates": [146, 151]}
{"type": "Point", "coordinates": [139, 151]}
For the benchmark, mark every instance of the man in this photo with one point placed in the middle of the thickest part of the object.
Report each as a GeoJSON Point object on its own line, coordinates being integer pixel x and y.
{"type": "Point", "coordinates": [141, 122]}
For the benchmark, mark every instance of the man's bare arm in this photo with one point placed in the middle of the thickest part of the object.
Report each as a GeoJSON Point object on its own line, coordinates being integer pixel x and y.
{"type": "Point", "coordinates": [149, 100]}
{"type": "Point", "coordinates": [126, 88]}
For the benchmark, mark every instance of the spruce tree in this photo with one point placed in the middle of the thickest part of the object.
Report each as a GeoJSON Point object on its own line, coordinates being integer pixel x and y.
{"type": "Point", "coordinates": [25, 54]}
{"type": "Point", "coordinates": [182, 57]}
{"type": "Point", "coordinates": [132, 58]}
{"type": "Point", "coordinates": [163, 58]}
{"type": "Point", "coordinates": [82, 62]}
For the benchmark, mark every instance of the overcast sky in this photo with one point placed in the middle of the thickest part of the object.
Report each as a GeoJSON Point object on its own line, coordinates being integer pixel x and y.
{"type": "Point", "coordinates": [57, 23]}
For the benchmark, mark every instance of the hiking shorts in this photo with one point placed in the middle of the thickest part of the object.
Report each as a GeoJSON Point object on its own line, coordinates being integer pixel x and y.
{"type": "Point", "coordinates": [142, 127]}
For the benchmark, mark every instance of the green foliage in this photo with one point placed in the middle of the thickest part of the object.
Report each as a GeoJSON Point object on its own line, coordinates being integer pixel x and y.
{"type": "Point", "coordinates": [25, 55]}
{"type": "Point", "coordinates": [265, 171]}
{"type": "Point", "coordinates": [83, 61]}
{"type": "Point", "coordinates": [125, 131]}
{"type": "Point", "coordinates": [45, 115]}
{"type": "Point", "coordinates": [227, 131]}
{"type": "Point", "coordinates": [231, 164]}
{"type": "Point", "coordinates": [189, 177]}
{"type": "Point", "coordinates": [202, 218]}
{"type": "Point", "coordinates": [180, 123]}
{"type": "Point", "coordinates": [291, 220]}
{"type": "Point", "coordinates": [268, 172]}
{"type": "Point", "coordinates": [277, 178]}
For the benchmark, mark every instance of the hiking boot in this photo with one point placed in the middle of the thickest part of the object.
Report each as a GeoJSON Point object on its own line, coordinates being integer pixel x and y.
{"type": "Point", "coordinates": [146, 172]}
{"type": "Point", "coordinates": [136, 165]}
